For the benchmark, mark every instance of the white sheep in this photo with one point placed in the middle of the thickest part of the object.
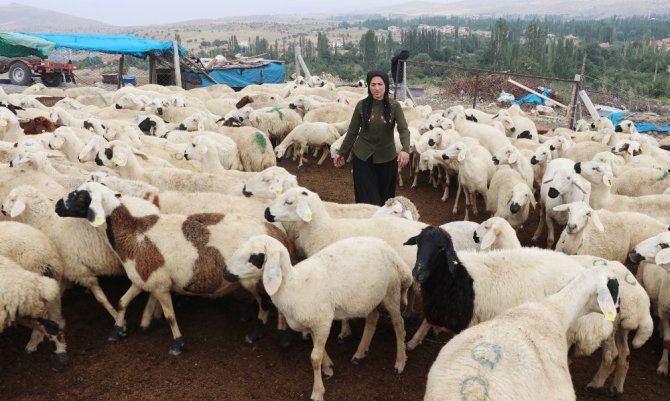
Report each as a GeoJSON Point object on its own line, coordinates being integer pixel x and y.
{"type": "Point", "coordinates": [277, 122]}
{"type": "Point", "coordinates": [522, 352]}
{"type": "Point", "coordinates": [510, 197]}
{"type": "Point", "coordinates": [496, 233]}
{"type": "Point", "coordinates": [340, 287]}
{"type": "Point", "coordinates": [510, 155]}
{"type": "Point", "coordinates": [162, 253]}
{"type": "Point", "coordinates": [640, 181]}
{"type": "Point", "coordinates": [398, 206]}
{"type": "Point", "coordinates": [600, 176]}
{"type": "Point", "coordinates": [474, 174]}
{"type": "Point", "coordinates": [654, 274]}
{"type": "Point", "coordinates": [215, 156]}
{"type": "Point", "coordinates": [317, 134]}
{"type": "Point", "coordinates": [603, 233]}
{"type": "Point", "coordinates": [25, 299]}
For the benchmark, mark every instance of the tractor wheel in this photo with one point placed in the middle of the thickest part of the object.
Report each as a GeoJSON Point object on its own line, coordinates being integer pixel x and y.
{"type": "Point", "coordinates": [20, 74]}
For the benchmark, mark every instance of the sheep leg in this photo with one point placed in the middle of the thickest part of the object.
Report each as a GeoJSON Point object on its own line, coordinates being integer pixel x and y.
{"type": "Point", "coordinates": [393, 307]}
{"type": "Point", "coordinates": [419, 335]}
{"type": "Point", "coordinates": [301, 155]}
{"type": "Point", "coordinates": [149, 312]}
{"type": "Point", "coordinates": [369, 331]}
{"type": "Point", "coordinates": [284, 334]}
{"type": "Point", "coordinates": [401, 184]}
{"type": "Point", "coordinates": [54, 314]}
{"type": "Point", "coordinates": [324, 154]}
{"type": "Point", "coordinates": [319, 337]}
{"type": "Point", "coordinates": [261, 320]}
{"type": "Point", "coordinates": [540, 224]}
{"type": "Point", "coordinates": [165, 299]}
{"type": "Point", "coordinates": [50, 329]}
{"type": "Point", "coordinates": [93, 285]}
{"type": "Point", "coordinates": [662, 368]}
{"type": "Point", "coordinates": [609, 354]}
{"type": "Point", "coordinates": [458, 196]}
{"type": "Point", "coordinates": [119, 329]}
{"type": "Point", "coordinates": [468, 203]}
{"type": "Point", "coordinates": [345, 331]}
{"type": "Point", "coordinates": [550, 231]}
{"type": "Point", "coordinates": [447, 182]}
{"type": "Point", "coordinates": [622, 363]}
{"type": "Point", "coordinates": [416, 176]}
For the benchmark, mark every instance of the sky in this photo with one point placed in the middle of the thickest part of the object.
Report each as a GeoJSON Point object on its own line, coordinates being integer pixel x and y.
{"type": "Point", "coordinates": [149, 12]}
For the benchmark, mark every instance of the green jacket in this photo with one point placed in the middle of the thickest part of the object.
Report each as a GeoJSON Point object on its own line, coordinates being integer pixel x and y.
{"type": "Point", "coordinates": [377, 140]}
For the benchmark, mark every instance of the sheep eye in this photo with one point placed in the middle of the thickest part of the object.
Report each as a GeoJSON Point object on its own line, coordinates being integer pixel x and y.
{"type": "Point", "coordinates": [288, 202]}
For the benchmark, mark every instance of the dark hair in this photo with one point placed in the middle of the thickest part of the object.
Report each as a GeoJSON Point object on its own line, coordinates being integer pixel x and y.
{"type": "Point", "coordinates": [367, 103]}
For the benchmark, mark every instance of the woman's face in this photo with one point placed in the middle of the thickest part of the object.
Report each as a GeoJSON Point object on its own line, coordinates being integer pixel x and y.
{"type": "Point", "coordinates": [377, 88]}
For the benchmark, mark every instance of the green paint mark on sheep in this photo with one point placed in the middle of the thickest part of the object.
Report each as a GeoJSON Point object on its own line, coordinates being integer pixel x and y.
{"type": "Point", "coordinates": [261, 141]}
{"type": "Point", "coordinates": [487, 354]}
{"type": "Point", "coordinates": [474, 388]}
{"type": "Point", "coordinates": [664, 176]}
{"type": "Point", "coordinates": [278, 111]}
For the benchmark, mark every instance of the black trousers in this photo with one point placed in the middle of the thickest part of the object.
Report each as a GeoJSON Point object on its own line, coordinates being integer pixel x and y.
{"type": "Point", "coordinates": [374, 183]}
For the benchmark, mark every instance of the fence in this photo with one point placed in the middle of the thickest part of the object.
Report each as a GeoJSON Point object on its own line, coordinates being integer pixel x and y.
{"type": "Point", "coordinates": [477, 86]}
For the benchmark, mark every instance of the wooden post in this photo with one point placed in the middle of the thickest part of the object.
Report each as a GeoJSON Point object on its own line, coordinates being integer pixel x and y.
{"type": "Point", "coordinates": [300, 62]}
{"type": "Point", "coordinates": [474, 101]}
{"type": "Point", "coordinates": [177, 66]}
{"type": "Point", "coordinates": [119, 75]}
{"type": "Point", "coordinates": [296, 51]}
{"type": "Point", "coordinates": [575, 93]}
{"type": "Point", "coordinates": [152, 69]}
{"type": "Point", "coordinates": [589, 105]}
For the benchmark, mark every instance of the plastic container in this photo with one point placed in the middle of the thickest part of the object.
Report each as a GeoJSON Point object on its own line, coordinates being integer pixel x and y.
{"type": "Point", "coordinates": [129, 79]}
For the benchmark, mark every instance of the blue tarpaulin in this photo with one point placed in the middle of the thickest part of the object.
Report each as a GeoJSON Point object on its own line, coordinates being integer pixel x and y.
{"type": "Point", "coordinates": [641, 127]}
{"type": "Point", "coordinates": [533, 98]}
{"type": "Point", "coordinates": [114, 44]}
{"type": "Point", "coordinates": [271, 73]}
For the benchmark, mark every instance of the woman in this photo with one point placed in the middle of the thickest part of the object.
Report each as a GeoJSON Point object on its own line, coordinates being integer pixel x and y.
{"type": "Point", "coordinates": [370, 133]}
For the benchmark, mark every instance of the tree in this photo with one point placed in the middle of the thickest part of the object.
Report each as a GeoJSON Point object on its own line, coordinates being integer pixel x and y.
{"type": "Point", "coordinates": [369, 49]}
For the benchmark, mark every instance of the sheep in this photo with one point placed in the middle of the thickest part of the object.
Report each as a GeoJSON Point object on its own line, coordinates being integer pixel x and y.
{"type": "Point", "coordinates": [184, 253]}
{"type": "Point", "coordinates": [334, 113]}
{"type": "Point", "coordinates": [25, 299]}
{"type": "Point", "coordinates": [654, 274]}
{"type": "Point", "coordinates": [269, 183]}
{"type": "Point", "coordinates": [510, 197]}
{"type": "Point", "coordinates": [600, 176]}
{"type": "Point", "coordinates": [398, 206]}
{"type": "Point", "coordinates": [603, 233]}
{"type": "Point", "coordinates": [474, 174]}
{"type": "Point", "coordinates": [461, 233]}
{"type": "Point", "coordinates": [277, 122]}
{"type": "Point", "coordinates": [371, 274]}
{"type": "Point", "coordinates": [491, 282]}
{"type": "Point", "coordinates": [560, 184]}
{"type": "Point", "coordinates": [214, 156]}
{"type": "Point", "coordinates": [644, 146]}
{"type": "Point", "coordinates": [495, 233]}
{"type": "Point", "coordinates": [510, 155]}
{"type": "Point", "coordinates": [522, 352]}
{"type": "Point", "coordinates": [123, 158]}
{"type": "Point", "coordinates": [640, 181]}
{"type": "Point", "coordinates": [308, 134]}
{"type": "Point", "coordinates": [488, 136]}
{"type": "Point", "coordinates": [33, 250]}
{"type": "Point", "coordinates": [256, 153]}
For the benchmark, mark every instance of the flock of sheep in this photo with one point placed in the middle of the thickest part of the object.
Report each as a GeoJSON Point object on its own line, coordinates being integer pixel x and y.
{"type": "Point", "coordinates": [179, 191]}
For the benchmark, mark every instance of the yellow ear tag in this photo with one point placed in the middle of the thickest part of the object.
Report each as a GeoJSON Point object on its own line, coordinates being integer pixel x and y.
{"type": "Point", "coordinates": [307, 215]}
{"type": "Point", "coordinates": [99, 220]}
{"type": "Point", "coordinates": [58, 143]}
{"type": "Point", "coordinates": [119, 161]}
{"type": "Point", "coordinates": [610, 315]}
{"type": "Point", "coordinates": [607, 180]}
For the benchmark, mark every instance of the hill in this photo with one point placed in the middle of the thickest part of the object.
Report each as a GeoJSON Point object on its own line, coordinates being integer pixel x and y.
{"type": "Point", "coordinates": [19, 18]}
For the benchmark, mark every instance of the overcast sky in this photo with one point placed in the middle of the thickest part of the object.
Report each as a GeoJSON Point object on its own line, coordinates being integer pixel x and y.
{"type": "Point", "coordinates": [148, 12]}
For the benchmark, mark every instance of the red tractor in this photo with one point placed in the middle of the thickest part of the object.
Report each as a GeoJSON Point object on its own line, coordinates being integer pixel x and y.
{"type": "Point", "coordinates": [22, 70]}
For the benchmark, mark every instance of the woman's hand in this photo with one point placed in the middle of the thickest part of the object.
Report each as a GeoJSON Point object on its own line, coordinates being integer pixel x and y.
{"type": "Point", "coordinates": [403, 159]}
{"type": "Point", "coordinates": [338, 161]}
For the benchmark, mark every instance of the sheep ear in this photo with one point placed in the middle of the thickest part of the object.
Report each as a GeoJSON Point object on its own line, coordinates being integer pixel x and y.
{"type": "Point", "coordinates": [276, 188]}
{"type": "Point", "coordinates": [272, 275]}
{"type": "Point", "coordinates": [303, 210]}
{"type": "Point", "coordinates": [596, 221]}
{"type": "Point", "coordinates": [566, 145]}
{"type": "Point", "coordinates": [141, 154]}
{"type": "Point", "coordinates": [488, 240]}
{"type": "Point", "coordinates": [408, 215]}
{"type": "Point", "coordinates": [461, 155]}
{"type": "Point", "coordinates": [410, 241]}
{"type": "Point", "coordinates": [17, 208]}
{"type": "Point", "coordinates": [606, 139]}
{"type": "Point", "coordinates": [201, 125]}
{"type": "Point", "coordinates": [120, 160]}
{"type": "Point", "coordinates": [606, 303]}
{"type": "Point", "coordinates": [663, 257]}
{"type": "Point", "coordinates": [561, 208]}
{"type": "Point", "coordinates": [512, 158]}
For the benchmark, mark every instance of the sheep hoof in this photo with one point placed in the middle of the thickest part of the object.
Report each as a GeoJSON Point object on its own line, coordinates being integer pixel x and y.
{"type": "Point", "coordinates": [357, 361]}
{"type": "Point", "coordinates": [59, 362]}
{"type": "Point", "coordinates": [609, 392]}
{"type": "Point", "coordinates": [663, 372]}
{"type": "Point", "coordinates": [118, 332]}
{"type": "Point", "coordinates": [325, 375]}
{"type": "Point", "coordinates": [177, 346]}
{"type": "Point", "coordinates": [285, 338]}
{"type": "Point", "coordinates": [343, 340]}
{"type": "Point", "coordinates": [256, 333]}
